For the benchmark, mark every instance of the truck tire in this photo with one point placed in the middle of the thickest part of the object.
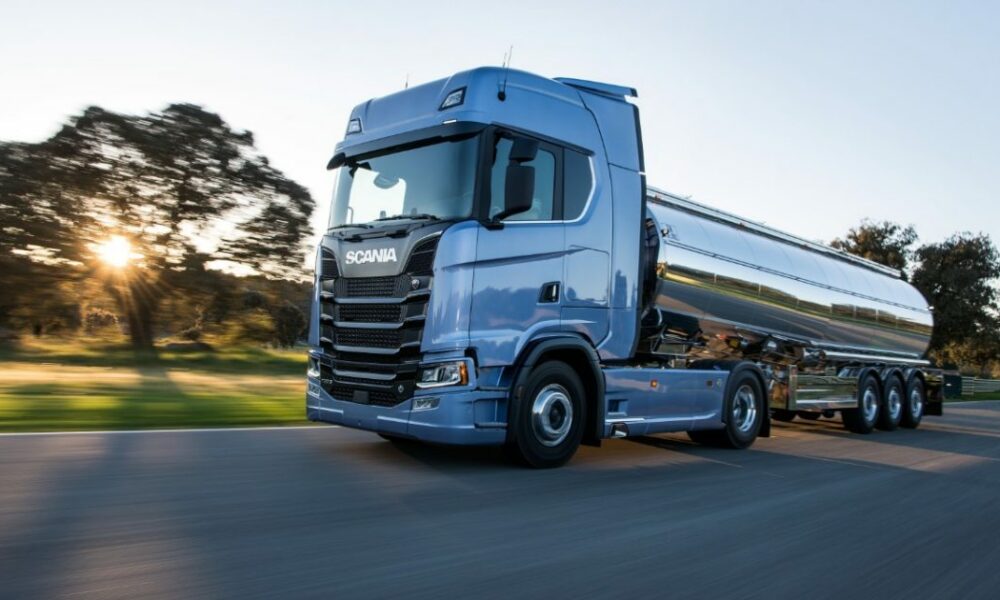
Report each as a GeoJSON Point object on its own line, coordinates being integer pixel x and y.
{"type": "Point", "coordinates": [744, 408]}
{"type": "Point", "coordinates": [546, 422]}
{"type": "Point", "coordinates": [863, 418]}
{"type": "Point", "coordinates": [891, 411]}
{"type": "Point", "coordinates": [913, 405]}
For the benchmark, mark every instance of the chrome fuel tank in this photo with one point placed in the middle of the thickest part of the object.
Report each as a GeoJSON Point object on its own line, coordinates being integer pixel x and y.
{"type": "Point", "coordinates": [736, 277]}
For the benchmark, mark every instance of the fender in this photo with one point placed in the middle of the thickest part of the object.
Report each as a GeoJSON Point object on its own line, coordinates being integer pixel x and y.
{"type": "Point", "coordinates": [735, 366]}
{"type": "Point", "coordinates": [865, 371]}
{"type": "Point", "coordinates": [536, 350]}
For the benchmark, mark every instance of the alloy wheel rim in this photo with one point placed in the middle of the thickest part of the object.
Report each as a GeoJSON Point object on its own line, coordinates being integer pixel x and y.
{"type": "Point", "coordinates": [916, 403]}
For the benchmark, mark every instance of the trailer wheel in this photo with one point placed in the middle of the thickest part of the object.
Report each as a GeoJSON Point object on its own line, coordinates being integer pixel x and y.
{"type": "Point", "coordinates": [744, 410]}
{"type": "Point", "coordinates": [863, 418]}
{"type": "Point", "coordinates": [546, 422]}
{"type": "Point", "coordinates": [891, 411]}
{"type": "Point", "coordinates": [913, 405]}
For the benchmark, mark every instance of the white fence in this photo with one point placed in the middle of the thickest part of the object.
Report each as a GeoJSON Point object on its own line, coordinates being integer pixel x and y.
{"type": "Point", "coordinates": [974, 385]}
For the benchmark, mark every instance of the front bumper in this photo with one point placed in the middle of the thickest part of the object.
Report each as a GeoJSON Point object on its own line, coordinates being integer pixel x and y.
{"type": "Point", "coordinates": [462, 417]}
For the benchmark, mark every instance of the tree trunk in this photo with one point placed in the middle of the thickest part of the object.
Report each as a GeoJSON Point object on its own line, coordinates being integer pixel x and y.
{"type": "Point", "coordinates": [138, 301]}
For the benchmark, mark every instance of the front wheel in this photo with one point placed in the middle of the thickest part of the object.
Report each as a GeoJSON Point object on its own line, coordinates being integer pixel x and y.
{"type": "Point", "coordinates": [744, 411]}
{"type": "Point", "coordinates": [546, 423]}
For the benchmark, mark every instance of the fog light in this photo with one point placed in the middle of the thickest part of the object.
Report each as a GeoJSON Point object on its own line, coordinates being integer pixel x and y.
{"type": "Point", "coordinates": [313, 390]}
{"type": "Point", "coordinates": [442, 374]}
{"type": "Point", "coordinates": [425, 403]}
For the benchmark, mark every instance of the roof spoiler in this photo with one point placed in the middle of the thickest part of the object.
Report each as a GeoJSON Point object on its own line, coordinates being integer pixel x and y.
{"type": "Point", "coordinates": [607, 89]}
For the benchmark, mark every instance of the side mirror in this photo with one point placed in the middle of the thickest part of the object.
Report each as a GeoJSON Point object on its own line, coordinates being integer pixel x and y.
{"type": "Point", "coordinates": [519, 191]}
{"type": "Point", "coordinates": [519, 184]}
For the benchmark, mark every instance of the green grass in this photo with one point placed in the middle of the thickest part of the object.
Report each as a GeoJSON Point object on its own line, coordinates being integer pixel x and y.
{"type": "Point", "coordinates": [60, 386]}
{"type": "Point", "coordinates": [223, 359]}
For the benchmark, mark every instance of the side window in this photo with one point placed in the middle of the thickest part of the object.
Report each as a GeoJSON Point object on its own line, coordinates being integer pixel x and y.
{"type": "Point", "coordinates": [577, 183]}
{"type": "Point", "coordinates": [543, 204]}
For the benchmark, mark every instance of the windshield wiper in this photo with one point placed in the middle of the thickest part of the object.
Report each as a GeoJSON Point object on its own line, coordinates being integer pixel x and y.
{"type": "Point", "coordinates": [423, 216]}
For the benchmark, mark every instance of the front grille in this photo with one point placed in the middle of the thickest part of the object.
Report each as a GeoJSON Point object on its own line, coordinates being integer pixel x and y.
{"type": "Point", "coordinates": [368, 338]}
{"type": "Point", "coordinates": [370, 287]}
{"type": "Point", "coordinates": [369, 313]}
{"type": "Point", "coordinates": [374, 364]}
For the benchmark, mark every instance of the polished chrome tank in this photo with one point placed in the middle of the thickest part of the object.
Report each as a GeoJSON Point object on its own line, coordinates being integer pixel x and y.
{"type": "Point", "coordinates": [731, 276]}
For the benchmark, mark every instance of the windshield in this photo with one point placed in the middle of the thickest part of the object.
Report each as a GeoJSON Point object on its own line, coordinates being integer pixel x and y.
{"type": "Point", "coordinates": [436, 180]}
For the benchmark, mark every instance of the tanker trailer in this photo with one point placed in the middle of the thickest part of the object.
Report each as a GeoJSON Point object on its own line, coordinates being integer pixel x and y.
{"type": "Point", "coordinates": [822, 321]}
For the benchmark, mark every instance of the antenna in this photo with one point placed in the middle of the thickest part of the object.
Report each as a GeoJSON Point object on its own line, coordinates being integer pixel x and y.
{"type": "Point", "coordinates": [502, 94]}
{"type": "Point", "coordinates": [406, 84]}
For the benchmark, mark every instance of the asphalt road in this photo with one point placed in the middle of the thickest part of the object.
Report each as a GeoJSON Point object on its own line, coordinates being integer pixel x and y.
{"type": "Point", "coordinates": [328, 512]}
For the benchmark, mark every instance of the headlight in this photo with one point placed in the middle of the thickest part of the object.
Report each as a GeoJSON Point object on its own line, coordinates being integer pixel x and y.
{"type": "Point", "coordinates": [442, 374]}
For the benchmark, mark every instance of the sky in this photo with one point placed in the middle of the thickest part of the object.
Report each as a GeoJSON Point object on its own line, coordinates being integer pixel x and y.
{"type": "Point", "coordinates": [808, 116]}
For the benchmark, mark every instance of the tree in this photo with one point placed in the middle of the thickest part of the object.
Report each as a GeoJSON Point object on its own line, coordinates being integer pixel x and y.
{"type": "Point", "coordinates": [289, 324]}
{"type": "Point", "coordinates": [957, 278]}
{"type": "Point", "coordinates": [163, 183]}
{"type": "Point", "coordinates": [883, 242]}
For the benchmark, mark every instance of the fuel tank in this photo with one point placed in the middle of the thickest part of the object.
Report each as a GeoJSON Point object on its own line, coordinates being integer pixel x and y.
{"type": "Point", "coordinates": [724, 275]}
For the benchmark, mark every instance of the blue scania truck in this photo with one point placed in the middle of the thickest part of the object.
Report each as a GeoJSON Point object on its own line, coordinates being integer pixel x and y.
{"type": "Point", "coordinates": [496, 271]}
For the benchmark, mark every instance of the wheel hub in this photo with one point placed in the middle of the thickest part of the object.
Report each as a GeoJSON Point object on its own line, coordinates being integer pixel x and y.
{"type": "Point", "coordinates": [552, 415]}
{"type": "Point", "coordinates": [916, 403]}
{"type": "Point", "coordinates": [869, 405]}
{"type": "Point", "coordinates": [744, 408]}
{"type": "Point", "coordinates": [895, 403]}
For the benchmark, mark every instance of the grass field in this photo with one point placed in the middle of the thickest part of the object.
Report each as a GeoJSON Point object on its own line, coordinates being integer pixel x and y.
{"type": "Point", "coordinates": [64, 386]}
{"type": "Point", "coordinates": [57, 386]}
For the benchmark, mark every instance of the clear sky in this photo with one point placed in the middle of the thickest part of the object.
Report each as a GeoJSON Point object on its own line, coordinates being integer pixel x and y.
{"type": "Point", "coordinates": [806, 115]}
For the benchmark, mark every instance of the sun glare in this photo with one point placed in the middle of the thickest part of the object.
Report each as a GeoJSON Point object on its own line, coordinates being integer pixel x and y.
{"type": "Point", "coordinates": [116, 251]}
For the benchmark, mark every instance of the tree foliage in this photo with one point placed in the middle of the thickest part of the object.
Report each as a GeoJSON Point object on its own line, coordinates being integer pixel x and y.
{"type": "Point", "coordinates": [883, 242]}
{"type": "Point", "coordinates": [181, 185]}
{"type": "Point", "coordinates": [957, 276]}
{"type": "Point", "coordinates": [289, 324]}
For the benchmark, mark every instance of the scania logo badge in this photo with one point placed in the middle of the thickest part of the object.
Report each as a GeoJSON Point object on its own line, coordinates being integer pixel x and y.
{"type": "Point", "coordinates": [379, 255]}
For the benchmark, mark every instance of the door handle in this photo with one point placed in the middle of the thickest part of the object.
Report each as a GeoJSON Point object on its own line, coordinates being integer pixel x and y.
{"type": "Point", "coordinates": [550, 292]}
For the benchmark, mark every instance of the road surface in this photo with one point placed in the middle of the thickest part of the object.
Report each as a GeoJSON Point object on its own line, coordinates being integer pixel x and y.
{"type": "Point", "coordinates": [329, 512]}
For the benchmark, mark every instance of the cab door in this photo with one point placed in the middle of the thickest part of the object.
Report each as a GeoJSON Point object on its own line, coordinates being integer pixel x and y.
{"type": "Point", "coordinates": [518, 282]}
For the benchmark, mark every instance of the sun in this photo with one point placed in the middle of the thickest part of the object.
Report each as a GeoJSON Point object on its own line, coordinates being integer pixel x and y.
{"type": "Point", "coordinates": [115, 252]}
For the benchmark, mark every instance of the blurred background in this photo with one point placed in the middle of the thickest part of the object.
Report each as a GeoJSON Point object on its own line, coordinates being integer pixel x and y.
{"type": "Point", "coordinates": [162, 182]}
